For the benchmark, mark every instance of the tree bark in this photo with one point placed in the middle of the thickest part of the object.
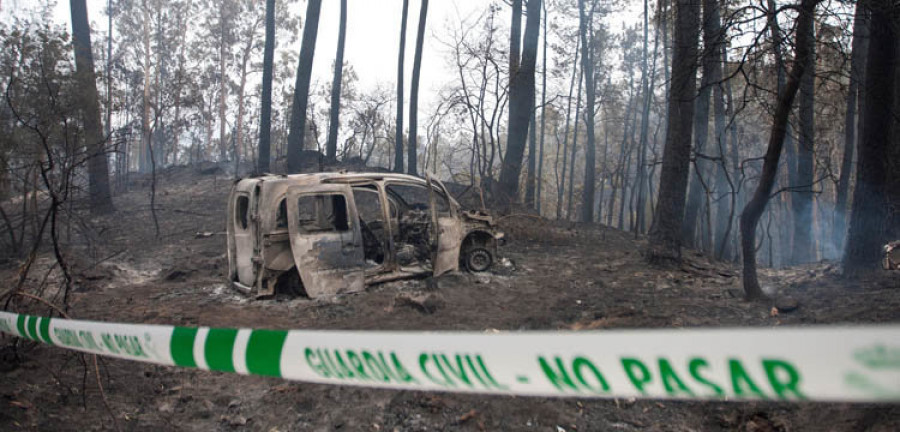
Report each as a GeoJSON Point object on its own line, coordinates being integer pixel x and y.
{"type": "Point", "coordinates": [109, 43]}
{"type": "Point", "coordinates": [398, 137]}
{"type": "Point", "coordinates": [723, 187]}
{"type": "Point", "coordinates": [702, 166]}
{"type": "Point", "coordinates": [667, 69]}
{"type": "Point", "coordinates": [737, 194]}
{"type": "Point", "coordinates": [870, 218]}
{"type": "Point", "coordinates": [647, 91]}
{"type": "Point", "coordinates": [521, 100]}
{"type": "Point", "coordinates": [803, 250]}
{"type": "Point", "coordinates": [223, 84]}
{"type": "Point", "coordinates": [540, 168]}
{"type": "Point", "coordinates": [297, 132]}
{"type": "Point", "coordinates": [515, 39]}
{"type": "Point", "coordinates": [265, 117]}
{"type": "Point", "coordinates": [604, 173]}
{"type": "Point", "coordinates": [530, 174]}
{"type": "Point", "coordinates": [159, 127]}
{"type": "Point", "coordinates": [619, 176]}
{"type": "Point", "coordinates": [665, 235]}
{"type": "Point", "coordinates": [570, 203]}
{"type": "Point", "coordinates": [790, 150]}
{"type": "Point", "coordinates": [590, 149]}
{"type": "Point", "coordinates": [716, 44]}
{"type": "Point", "coordinates": [242, 105]}
{"type": "Point", "coordinates": [532, 160]}
{"type": "Point", "coordinates": [628, 145]}
{"type": "Point", "coordinates": [335, 114]}
{"type": "Point", "coordinates": [854, 100]}
{"type": "Point", "coordinates": [754, 209]}
{"type": "Point", "coordinates": [561, 187]}
{"type": "Point", "coordinates": [412, 151]}
{"type": "Point", "coordinates": [144, 155]}
{"type": "Point", "coordinates": [98, 164]}
{"type": "Point", "coordinates": [180, 73]}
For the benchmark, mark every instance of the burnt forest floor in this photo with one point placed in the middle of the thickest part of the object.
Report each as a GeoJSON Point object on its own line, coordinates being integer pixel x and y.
{"type": "Point", "coordinates": [555, 276]}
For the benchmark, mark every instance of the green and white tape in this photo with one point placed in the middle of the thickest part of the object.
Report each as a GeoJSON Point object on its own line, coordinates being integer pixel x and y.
{"type": "Point", "coordinates": [853, 364]}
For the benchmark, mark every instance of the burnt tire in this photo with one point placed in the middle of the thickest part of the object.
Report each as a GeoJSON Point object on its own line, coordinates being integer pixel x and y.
{"type": "Point", "coordinates": [478, 259]}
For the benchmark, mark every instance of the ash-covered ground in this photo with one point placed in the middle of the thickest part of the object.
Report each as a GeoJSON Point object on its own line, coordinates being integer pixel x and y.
{"type": "Point", "coordinates": [554, 276]}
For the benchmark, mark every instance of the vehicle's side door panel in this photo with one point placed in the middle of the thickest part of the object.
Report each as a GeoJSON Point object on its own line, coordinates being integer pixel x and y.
{"type": "Point", "coordinates": [325, 239]}
{"type": "Point", "coordinates": [244, 227]}
{"type": "Point", "coordinates": [449, 229]}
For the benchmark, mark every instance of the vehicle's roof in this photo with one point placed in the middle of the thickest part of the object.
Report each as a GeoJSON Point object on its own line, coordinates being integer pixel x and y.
{"type": "Point", "coordinates": [276, 185]}
{"type": "Point", "coordinates": [336, 176]}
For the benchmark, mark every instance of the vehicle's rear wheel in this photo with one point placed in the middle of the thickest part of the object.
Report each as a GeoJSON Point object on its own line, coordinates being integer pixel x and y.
{"type": "Point", "coordinates": [478, 259]}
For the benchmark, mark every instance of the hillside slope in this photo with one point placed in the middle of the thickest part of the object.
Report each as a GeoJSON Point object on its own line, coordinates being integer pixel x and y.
{"type": "Point", "coordinates": [554, 276]}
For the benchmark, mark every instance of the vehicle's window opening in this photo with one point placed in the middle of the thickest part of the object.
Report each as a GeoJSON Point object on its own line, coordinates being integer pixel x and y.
{"type": "Point", "coordinates": [242, 210]}
{"type": "Point", "coordinates": [417, 197]}
{"type": "Point", "coordinates": [371, 223]}
{"type": "Point", "coordinates": [368, 202]}
{"type": "Point", "coordinates": [281, 219]}
{"type": "Point", "coordinates": [322, 213]}
{"type": "Point", "coordinates": [414, 236]}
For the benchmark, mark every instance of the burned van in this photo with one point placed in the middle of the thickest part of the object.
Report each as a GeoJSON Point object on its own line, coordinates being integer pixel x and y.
{"type": "Point", "coordinates": [330, 233]}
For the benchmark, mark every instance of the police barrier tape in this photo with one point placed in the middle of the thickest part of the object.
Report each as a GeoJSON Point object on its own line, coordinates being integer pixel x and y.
{"type": "Point", "coordinates": [804, 363]}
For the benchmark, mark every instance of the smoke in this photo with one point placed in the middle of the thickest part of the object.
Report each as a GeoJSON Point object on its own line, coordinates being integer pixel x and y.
{"type": "Point", "coordinates": [829, 240]}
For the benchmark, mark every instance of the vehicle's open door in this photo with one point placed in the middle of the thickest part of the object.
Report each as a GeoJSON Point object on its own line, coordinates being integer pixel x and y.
{"type": "Point", "coordinates": [242, 229]}
{"type": "Point", "coordinates": [448, 230]}
{"type": "Point", "coordinates": [325, 239]}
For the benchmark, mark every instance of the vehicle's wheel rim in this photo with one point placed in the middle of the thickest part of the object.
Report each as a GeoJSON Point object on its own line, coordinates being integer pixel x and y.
{"type": "Point", "coordinates": [479, 260]}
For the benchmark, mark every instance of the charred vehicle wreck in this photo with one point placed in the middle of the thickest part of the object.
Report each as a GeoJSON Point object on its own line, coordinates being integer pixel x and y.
{"type": "Point", "coordinates": [331, 233]}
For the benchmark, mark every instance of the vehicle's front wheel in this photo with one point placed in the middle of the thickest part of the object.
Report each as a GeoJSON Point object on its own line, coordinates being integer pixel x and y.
{"type": "Point", "coordinates": [478, 259]}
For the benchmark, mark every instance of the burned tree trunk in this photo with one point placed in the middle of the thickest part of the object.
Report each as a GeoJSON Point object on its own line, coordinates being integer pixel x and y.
{"type": "Point", "coordinates": [335, 111]}
{"type": "Point", "coordinates": [398, 136]}
{"type": "Point", "coordinates": [515, 39]}
{"type": "Point", "coordinates": [574, 150]}
{"type": "Point", "coordinates": [803, 250]}
{"type": "Point", "coordinates": [701, 165]}
{"type": "Point", "coordinates": [521, 101]}
{"type": "Point", "coordinates": [590, 146]}
{"type": "Point", "coordinates": [870, 218]}
{"type": "Point", "coordinates": [143, 155]}
{"type": "Point", "coordinates": [648, 86]}
{"type": "Point", "coordinates": [412, 154]}
{"type": "Point", "coordinates": [297, 132]}
{"type": "Point", "coordinates": [855, 99]}
{"type": "Point", "coordinates": [665, 236]}
{"type": "Point", "coordinates": [540, 167]}
{"type": "Point", "coordinates": [223, 84]}
{"type": "Point", "coordinates": [265, 118]}
{"type": "Point", "coordinates": [98, 165]}
{"type": "Point", "coordinates": [713, 26]}
{"type": "Point", "coordinates": [754, 209]}
{"type": "Point", "coordinates": [530, 174]}
{"type": "Point", "coordinates": [561, 187]}
{"type": "Point", "coordinates": [790, 150]}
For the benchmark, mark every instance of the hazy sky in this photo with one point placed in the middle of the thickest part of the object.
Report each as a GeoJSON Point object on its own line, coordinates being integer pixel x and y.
{"type": "Point", "coordinates": [373, 35]}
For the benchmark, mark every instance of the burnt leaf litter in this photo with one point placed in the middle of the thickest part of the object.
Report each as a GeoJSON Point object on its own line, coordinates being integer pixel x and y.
{"type": "Point", "coordinates": [548, 276]}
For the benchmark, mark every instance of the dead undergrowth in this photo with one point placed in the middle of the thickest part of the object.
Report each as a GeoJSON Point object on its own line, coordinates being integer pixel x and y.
{"type": "Point", "coordinates": [554, 275]}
